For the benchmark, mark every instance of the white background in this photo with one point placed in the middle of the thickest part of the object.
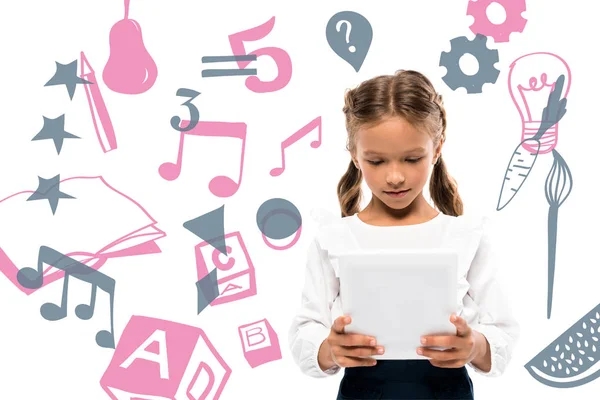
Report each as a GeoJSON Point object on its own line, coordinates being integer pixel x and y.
{"type": "Point", "coordinates": [60, 360]}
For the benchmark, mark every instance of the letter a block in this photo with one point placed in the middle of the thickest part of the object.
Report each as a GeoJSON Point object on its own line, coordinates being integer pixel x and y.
{"type": "Point", "coordinates": [157, 359]}
{"type": "Point", "coordinates": [260, 343]}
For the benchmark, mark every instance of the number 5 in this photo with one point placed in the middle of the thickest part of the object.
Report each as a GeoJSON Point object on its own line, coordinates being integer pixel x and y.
{"type": "Point", "coordinates": [280, 56]}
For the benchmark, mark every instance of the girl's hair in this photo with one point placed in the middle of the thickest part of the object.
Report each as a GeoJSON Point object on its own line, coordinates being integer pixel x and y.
{"type": "Point", "coordinates": [410, 95]}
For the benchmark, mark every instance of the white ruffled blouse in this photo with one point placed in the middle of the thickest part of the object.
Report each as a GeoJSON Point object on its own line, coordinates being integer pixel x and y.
{"type": "Point", "coordinates": [481, 301]}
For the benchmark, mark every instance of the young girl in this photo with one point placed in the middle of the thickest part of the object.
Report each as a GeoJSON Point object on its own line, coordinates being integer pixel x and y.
{"type": "Point", "coordinates": [396, 129]}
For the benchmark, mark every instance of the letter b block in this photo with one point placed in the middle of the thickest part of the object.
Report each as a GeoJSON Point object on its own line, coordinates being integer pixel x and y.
{"type": "Point", "coordinates": [260, 343]}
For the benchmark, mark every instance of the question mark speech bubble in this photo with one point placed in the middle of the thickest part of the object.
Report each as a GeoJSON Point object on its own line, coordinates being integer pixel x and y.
{"type": "Point", "coordinates": [338, 26]}
{"type": "Point", "coordinates": [353, 49]}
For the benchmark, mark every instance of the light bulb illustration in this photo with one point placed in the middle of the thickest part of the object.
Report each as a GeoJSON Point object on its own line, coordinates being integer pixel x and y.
{"type": "Point", "coordinates": [530, 95]}
{"type": "Point", "coordinates": [538, 134]}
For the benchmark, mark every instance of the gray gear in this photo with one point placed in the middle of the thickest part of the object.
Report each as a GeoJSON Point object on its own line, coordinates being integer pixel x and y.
{"type": "Point", "coordinates": [486, 58]}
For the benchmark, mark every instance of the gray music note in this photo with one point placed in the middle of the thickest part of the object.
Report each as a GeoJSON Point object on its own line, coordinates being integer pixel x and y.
{"type": "Point", "coordinates": [34, 279]}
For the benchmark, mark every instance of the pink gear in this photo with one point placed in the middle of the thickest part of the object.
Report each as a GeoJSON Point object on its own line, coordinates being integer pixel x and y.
{"type": "Point", "coordinates": [501, 33]}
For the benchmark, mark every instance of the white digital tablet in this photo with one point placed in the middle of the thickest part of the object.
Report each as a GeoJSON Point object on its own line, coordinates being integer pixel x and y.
{"type": "Point", "coordinates": [397, 296]}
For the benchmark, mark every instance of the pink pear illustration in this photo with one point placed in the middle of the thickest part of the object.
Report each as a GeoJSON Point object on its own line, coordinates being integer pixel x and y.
{"type": "Point", "coordinates": [130, 69]}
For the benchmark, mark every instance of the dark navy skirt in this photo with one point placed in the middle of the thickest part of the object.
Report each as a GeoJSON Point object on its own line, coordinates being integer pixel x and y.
{"type": "Point", "coordinates": [405, 379]}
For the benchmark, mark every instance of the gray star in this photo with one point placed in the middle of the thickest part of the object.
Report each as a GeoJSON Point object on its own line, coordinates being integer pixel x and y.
{"type": "Point", "coordinates": [66, 74]}
{"type": "Point", "coordinates": [55, 129]}
{"type": "Point", "coordinates": [49, 189]}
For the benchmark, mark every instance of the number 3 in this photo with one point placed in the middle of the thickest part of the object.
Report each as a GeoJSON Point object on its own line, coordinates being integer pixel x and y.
{"type": "Point", "coordinates": [280, 56]}
{"type": "Point", "coordinates": [194, 113]}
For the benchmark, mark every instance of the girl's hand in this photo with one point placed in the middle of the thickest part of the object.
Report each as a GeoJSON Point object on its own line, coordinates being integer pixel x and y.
{"type": "Point", "coordinates": [462, 348]}
{"type": "Point", "coordinates": [350, 349]}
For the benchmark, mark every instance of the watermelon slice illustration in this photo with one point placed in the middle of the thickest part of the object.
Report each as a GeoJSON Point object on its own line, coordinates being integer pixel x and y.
{"type": "Point", "coordinates": [572, 359]}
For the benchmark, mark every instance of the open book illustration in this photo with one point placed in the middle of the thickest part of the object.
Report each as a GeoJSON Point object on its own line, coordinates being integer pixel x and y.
{"type": "Point", "coordinates": [89, 220]}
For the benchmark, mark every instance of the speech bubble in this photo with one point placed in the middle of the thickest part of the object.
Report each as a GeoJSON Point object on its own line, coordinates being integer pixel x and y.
{"type": "Point", "coordinates": [349, 35]}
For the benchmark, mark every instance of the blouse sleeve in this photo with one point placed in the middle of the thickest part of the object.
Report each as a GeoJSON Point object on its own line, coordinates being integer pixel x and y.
{"type": "Point", "coordinates": [487, 301]}
{"type": "Point", "coordinates": [313, 321]}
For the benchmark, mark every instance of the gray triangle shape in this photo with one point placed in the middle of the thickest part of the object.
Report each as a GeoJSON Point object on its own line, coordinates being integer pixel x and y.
{"type": "Point", "coordinates": [210, 227]}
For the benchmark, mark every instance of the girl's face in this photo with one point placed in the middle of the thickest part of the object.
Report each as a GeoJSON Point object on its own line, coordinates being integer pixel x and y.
{"type": "Point", "coordinates": [395, 156]}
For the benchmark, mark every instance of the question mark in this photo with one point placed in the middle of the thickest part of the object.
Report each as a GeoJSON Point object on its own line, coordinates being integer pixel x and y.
{"type": "Point", "coordinates": [349, 27]}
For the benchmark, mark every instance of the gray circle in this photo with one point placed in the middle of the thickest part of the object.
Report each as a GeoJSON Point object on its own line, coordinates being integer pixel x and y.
{"type": "Point", "coordinates": [278, 218]}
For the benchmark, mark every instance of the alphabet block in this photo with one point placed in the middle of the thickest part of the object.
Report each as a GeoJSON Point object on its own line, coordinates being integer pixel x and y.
{"type": "Point", "coordinates": [158, 359]}
{"type": "Point", "coordinates": [259, 342]}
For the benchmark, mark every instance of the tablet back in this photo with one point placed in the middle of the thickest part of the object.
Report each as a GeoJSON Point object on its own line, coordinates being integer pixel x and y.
{"type": "Point", "coordinates": [399, 295]}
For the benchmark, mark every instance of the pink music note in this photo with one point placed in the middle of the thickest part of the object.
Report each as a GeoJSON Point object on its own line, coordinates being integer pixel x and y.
{"type": "Point", "coordinates": [106, 135]}
{"type": "Point", "coordinates": [294, 138]}
{"type": "Point", "coordinates": [221, 186]}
